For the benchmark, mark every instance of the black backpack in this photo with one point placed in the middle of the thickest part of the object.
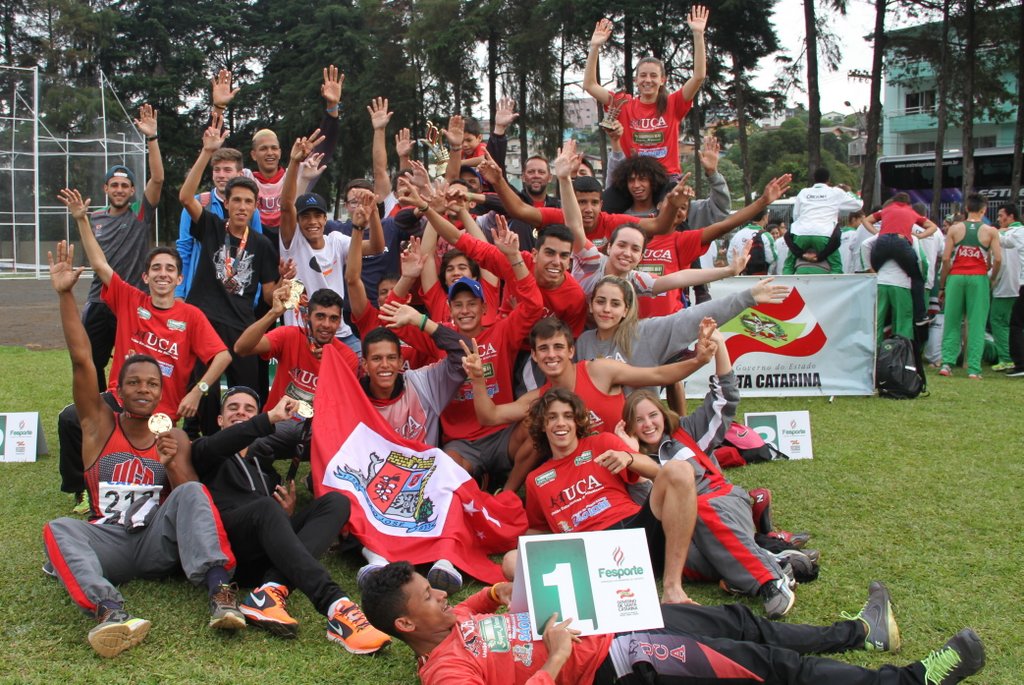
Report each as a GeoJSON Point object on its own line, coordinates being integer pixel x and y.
{"type": "Point", "coordinates": [757, 265]}
{"type": "Point", "coordinates": [899, 372]}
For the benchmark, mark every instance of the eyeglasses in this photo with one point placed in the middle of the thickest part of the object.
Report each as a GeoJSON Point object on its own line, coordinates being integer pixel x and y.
{"type": "Point", "coordinates": [235, 389]}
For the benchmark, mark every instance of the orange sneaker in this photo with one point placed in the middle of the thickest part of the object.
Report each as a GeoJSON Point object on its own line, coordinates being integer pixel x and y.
{"type": "Point", "coordinates": [265, 607]}
{"type": "Point", "coordinates": [348, 625]}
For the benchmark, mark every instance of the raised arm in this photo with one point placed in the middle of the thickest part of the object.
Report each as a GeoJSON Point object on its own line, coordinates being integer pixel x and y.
{"type": "Point", "coordinates": [487, 412]}
{"type": "Point", "coordinates": [79, 210]}
{"type": "Point", "coordinates": [96, 418]}
{"type": "Point", "coordinates": [253, 339]}
{"type": "Point", "coordinates": [379, 118]}
{"type": "Point", "coordinates": [365, 216]}
{"type": "Point", "coordinates": [301, 149]}
{"type": "Point", "coordinates": [566, 163]}
{"type": "Point", "coordinates": [602, 32]}
{"type": "Point", "coordinates": [685, 278]}
{"type": "Point", "coordinates": [611, 373]}
{"type": "Point", "coordinates": [354, 287]}
{"type": "Point", "coordinates": [697, 21]}
{"type": "Point", "coordinates": [146, 123]}
{"type": "Point", "coordinates": [213, 138]}
{"type": "Point", "coordinates": [514, 205]}
{"type": "Point", "coordinates": [455, 133]}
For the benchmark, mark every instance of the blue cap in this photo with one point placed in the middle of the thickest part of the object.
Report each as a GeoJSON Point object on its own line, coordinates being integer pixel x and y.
{"type": "Point", "coordinates": [119, 170]}
{"type": "Point", "coordinates": [466, 283]}
{"type": "Point", "coordinates": [310, 201]}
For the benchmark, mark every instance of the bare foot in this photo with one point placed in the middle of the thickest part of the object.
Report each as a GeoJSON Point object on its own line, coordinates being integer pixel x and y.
{"type": "Point", "coordinates": [675, 596]}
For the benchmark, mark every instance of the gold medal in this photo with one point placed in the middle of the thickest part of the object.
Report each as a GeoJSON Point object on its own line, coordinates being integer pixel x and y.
{"type": "Point", "coordinates": [304, 409]}
{"type": "Point", "coordinates": [160, 423]}
{"type": "Point", "coordinates": [293, 297]}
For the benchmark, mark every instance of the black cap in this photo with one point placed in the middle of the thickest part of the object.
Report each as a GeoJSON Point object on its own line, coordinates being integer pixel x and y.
{"type": "Point", "coordinates": [305, 203]}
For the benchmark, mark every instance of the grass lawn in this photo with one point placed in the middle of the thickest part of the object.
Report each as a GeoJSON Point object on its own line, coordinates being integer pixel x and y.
{"type": "Point", "coordinates": [922, 494]}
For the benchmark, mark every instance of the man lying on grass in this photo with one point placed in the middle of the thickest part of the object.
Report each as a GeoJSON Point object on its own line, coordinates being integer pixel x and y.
{"type": "Point", "coordinates": [470, 643]}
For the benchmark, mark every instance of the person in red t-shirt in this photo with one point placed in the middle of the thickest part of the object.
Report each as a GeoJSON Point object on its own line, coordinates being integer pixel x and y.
{"type": "Point", "coordinates": [583, 487]}
{"type": "Point", "coordinates": [471, 643]}
{"type": "Point", "coordinates": [650, 120]}
{"type": "Point", "coordinates": [599, 382]}
{"type": "Point", "coordinates": [894, 242]}
{"type": "Point", "coordinates": [298, 349]}
{"type": "Point", "coordinates": [176, 334]}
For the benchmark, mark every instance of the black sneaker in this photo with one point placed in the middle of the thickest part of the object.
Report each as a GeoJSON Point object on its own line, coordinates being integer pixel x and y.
{"type": "Point", "coordinates": [963, 655]}
{"type": "Point", "coordinates": [778, 598]}
{"type": "Point", "coordinates": [805, 570]}
{"type": "Point", "coordinates": [224, 612]}
{"type": "Point", "coordinates": [883, 635]}
{"type": "Point", "coordinates": [117, 631]}
{"type": "Point", "coordinates": [1015, 372]}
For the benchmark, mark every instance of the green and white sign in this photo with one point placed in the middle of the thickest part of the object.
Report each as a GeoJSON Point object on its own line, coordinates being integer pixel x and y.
{"type": "Point", "coordinates": [789, 431]}
{"type": "Point", "coordinates": [602, 580]}
{"type": "Point", "coordinates": [21, 438]}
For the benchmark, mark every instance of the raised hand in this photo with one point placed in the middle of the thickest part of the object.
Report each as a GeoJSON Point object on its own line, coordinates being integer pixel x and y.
{"type": "Point", "coordinates": [420, 177]}
{"type": "Point", "coordinates": [777, 187]}
{"type": "Point", "coordinates": [602, 32]}
{"type": "Point", "coordinates": [505, 240]}
{"type": "Point", "coordinates": [396, 315]}
{"type": "Point", "coordinates": [709, 154]}
{"type": "Point", "coordinates": [413, 259]}
{"type": "Point", "coordinates": [456, 131]}
{"type": "Point", "coordinates": [456, 198]}
{"type": "Point", "coordinates": [408, 194]}
{"type": "Point", "coordinates": [698, 19]}
{"type": "Point", "coordinates": [489, 169]}
{"type": "Point", "coordinates": [472, 363]}
{"type": "Point", "coordinates": [281, 296]}
{"type": "Point", "coordinates": [311, 169]}
{"type": "Point", "coordinates": [706, 346]}
{"type": "Point", "coordinates": [221, 94]}
{"type": "Point", "coordinates": [680, 196]}
{"type": "Point", "coordinates": [766, 292]}
{"type": "Point", "coordinates": [72, 199]}
{"type": "Point", "coordinates": [740, 259]}
{"type": "Point", "coordinates": [567, 160]}
{"type": "Point", "coordinates": [365, 203]}
{"type": "Point", "coordinates": [304, 146]}
{"type": "Point", "coordinates": [332, 86]}
{"type": "Point", "coordinates": [505, 113]}
{"type": "Point", "coordinates": [63, 274]}
{"type": "Point", "coordinates": [283, 410]}
{"type": "Point", "coordinates": [215, 135]}
{"type": "Point", "coordinates": [380, 116]}
{"type": "Point", "coordinates": [146, 123]}
{"type": "Point", "coordinates": [403, 142]}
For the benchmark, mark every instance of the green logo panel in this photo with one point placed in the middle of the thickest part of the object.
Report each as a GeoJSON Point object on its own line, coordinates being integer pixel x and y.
{"type": "Point", "coordinates": [560, 581]}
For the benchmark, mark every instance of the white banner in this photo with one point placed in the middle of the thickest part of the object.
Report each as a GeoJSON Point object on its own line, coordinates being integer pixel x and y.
{"type": "Point", "coordinates": [21, 436]}
{"type": "Point", "coordinates": [819, 341]}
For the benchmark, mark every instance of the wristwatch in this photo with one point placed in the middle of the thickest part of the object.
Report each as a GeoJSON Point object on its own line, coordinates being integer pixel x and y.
{"type": "Point", "coordinates": [204, 387]}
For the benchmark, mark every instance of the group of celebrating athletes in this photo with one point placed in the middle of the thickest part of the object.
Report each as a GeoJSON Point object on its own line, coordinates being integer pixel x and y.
{"type": "Point", "coordinates": [525, 335]}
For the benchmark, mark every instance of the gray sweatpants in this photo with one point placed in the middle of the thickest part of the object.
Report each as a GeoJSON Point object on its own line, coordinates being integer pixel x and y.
{"type": "Point", "coordinates": [186, 532]}
{"type": "Point", "coordinates": [723, 544]}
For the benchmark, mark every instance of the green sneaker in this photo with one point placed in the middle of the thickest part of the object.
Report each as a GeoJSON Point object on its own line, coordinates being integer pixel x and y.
{"type": "Point", "coordinates": [81, 507]}
{"type": "Point", "coordinates": [882, 633]}
{"type": "Point", "coordinates": [1002, 366]}
{"type": "Point", "coordinates": [116, 632]}
{"type": "Point", "coordinates": [963, 655]}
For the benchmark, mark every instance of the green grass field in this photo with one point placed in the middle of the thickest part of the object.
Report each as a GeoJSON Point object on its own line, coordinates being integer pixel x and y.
{"type": "Point", "coordinates": [922, 494]}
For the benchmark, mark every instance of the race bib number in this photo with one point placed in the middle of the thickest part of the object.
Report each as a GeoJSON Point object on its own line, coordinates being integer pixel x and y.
{"type": "Point", "coordinates": [115, 498]}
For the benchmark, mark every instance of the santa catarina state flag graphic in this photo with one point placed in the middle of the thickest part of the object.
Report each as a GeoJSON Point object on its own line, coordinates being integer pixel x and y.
{"type": "Point", "coordinates": [410, 502]}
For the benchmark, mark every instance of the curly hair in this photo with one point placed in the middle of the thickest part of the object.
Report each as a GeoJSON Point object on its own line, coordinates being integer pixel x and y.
{"type": "Point", "coordinates": [535, 419]}
{"type": "Point", "coordinates": [384, 598]}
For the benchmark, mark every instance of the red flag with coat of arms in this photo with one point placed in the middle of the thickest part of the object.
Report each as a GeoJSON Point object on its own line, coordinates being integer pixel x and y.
{"type": "Point", "coordinates": [788, 328]}
{"type": "Point", "coordinates": [410, 501]}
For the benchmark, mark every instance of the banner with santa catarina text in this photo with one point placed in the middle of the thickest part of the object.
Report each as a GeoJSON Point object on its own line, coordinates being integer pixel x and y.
{"type": "Point", "coordinates": [819, 341]}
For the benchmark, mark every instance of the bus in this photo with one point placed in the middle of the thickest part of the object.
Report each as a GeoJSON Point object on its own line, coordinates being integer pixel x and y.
{"type": "Point", "coordinates": [914, 175]}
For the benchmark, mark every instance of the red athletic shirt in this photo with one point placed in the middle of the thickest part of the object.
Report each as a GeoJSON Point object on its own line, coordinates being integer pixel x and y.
{"type": "Point", "coordinates": [122, 462]}
{"type": "Point", "coordinates": [649, 134]}
{"type": "Point", "coordinates": [898, 218]}
{"type": "Point", "coordinates": [175, 337]}
{"type": "Point", "coordinates": [498, 346]}
{"type": "Point", "coordinates": [566, 301]}
{"type": "Point", "coordinates": [297, 368]}
{"type": "Point", "coordinates": [575, 494]}
{"type": "Point", "coordinates": [485, 647]}
{"type": "Point", "coordinates": [605, 410]}
{"type": "Point", "coordinates": [602, 233]}
{"type": "Point", "coordinates": [269, 201]}
{"type": "Point", "coordinates": [436, 301]}
{"type": "Point", "coordinates": [666, 254]}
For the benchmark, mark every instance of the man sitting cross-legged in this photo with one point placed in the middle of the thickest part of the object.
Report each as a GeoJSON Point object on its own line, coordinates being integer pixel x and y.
{"type": "Point", "coordinates": [726, 643]}
{"type": "Point", "coordinates": [149, 518]}
{"type": "Point", "coordinates": [277, 547]}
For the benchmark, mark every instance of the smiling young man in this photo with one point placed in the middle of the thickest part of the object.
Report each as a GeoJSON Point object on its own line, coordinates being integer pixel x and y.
{"type": "Point", "coordinates": [124, 231]}
{"type": "Point", "coordinates": [234, 262]}
{"type": "Point", "coordinates": [176, 334]}
{"type": "Point", "coordinates": [276, 546]}
{"type": "Point", "coordinates": [149, 518]}
{"type": "Point", "coordinates": [472, 643]}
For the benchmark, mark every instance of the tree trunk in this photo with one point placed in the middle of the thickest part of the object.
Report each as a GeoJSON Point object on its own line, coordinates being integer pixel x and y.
{"type": "Point", "coordinates": [741, 126]}
{"type": "Point", "coordinates": [492, 72]}
{"type": "Point", "coordinates": [1018, 131]}
{"type": "Point", "coordinates": [867, 188]}
{"type": "Point", "coordinates": [968, 94]}
{"type": "Point", "coordinates": [942, 113]}
{"type": "Point", "coordinates": [627, 55]}
{"type": "Point", "coordinates": [813, 94]}
{"type": "Point", "coordinates": [524, 152]}
{"type": "Point", "coordinates": [562, 68]}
